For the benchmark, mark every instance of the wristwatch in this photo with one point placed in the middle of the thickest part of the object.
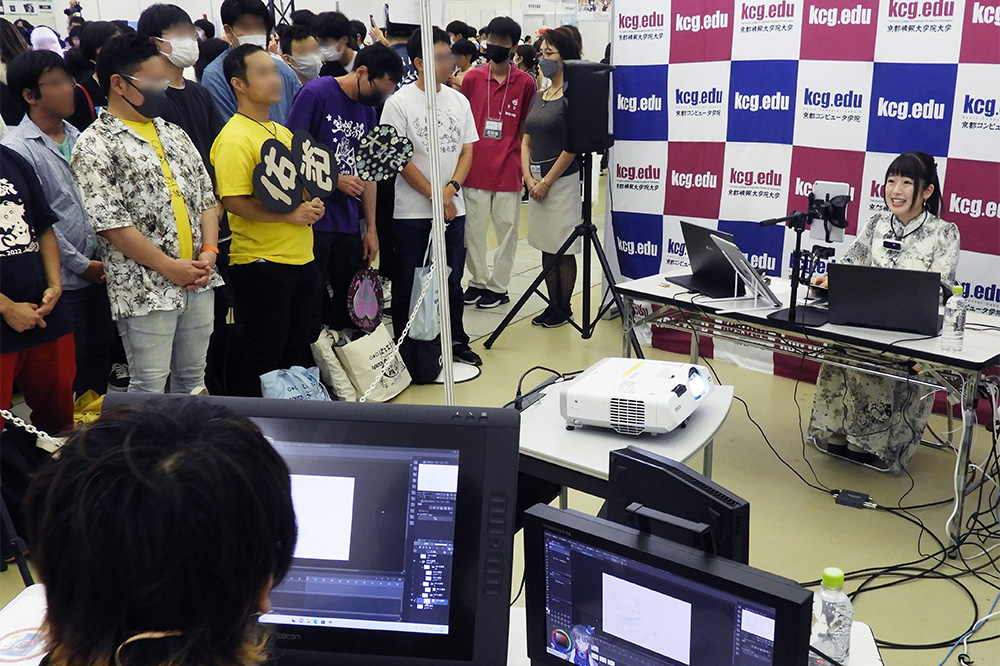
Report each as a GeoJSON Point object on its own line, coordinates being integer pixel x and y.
{"type": "Point", "coordinates": [454, 183]}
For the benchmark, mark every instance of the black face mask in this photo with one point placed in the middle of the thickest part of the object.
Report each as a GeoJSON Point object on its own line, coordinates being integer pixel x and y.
{"type": "Point", "coordinates": [497, 54]}
{"type": "Point", "coordinates": [154, 102]}
{"type": "Point", "coordinates": [374, 99]}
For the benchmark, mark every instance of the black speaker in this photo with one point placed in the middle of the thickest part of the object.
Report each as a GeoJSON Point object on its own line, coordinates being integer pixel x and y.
{"type": "Point", "coordinates": [588, 105]}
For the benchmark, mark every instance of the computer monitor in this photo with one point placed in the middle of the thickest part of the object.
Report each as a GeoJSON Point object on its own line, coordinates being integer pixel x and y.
{"type": "Point", "coordinates": [606, 594]}
{"type": "Point", "coordinates": [405, 517]}
{"type": "Point", "coordinates": [636, 476]}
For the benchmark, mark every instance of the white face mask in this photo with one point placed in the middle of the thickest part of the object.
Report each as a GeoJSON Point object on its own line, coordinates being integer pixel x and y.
{"type": "Point", "coordinates": [259, 39]}
{"type": "Point", "coordinates": [308, 65]}
{"type": "Point", "coordinates": [183, 51]}
{"type": "Point", "coordinates": [331, 53]}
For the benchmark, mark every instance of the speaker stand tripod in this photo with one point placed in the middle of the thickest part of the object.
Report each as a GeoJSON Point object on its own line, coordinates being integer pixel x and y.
{"type": "Point", "coordinates": [586, 231]}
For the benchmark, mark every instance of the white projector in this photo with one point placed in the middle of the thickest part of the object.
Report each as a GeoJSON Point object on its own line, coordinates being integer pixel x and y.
{"type": "Point", "coordinates": [633, 396]}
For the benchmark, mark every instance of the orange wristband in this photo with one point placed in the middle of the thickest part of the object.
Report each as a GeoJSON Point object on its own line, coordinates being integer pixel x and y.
{"type": "Point", "coordinates": [210, 248]}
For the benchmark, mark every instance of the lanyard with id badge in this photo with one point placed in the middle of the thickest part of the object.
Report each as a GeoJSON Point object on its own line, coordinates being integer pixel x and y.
{"type": "Point", "coordinates": [494, 127]}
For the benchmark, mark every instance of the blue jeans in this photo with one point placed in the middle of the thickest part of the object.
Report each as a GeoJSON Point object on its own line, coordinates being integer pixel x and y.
{"type": "Point", "coordinates": [171, 344]}
{"type": "Point", "coordinates": [411, 244]}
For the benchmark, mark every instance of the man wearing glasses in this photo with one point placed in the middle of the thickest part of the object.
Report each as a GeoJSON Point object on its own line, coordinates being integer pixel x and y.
{"type": "Point", "coordinates": [149, 197]}
{"type": "Point", "coordinates": [43, 88]}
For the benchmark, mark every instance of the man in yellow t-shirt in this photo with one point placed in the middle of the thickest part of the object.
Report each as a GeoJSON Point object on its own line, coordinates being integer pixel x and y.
{"type": "Point", "coordinates": [276, 289]}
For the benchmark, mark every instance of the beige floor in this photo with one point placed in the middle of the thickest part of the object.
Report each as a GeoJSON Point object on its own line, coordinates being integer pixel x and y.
{"type": "Point", "coordinates": [795, 531]}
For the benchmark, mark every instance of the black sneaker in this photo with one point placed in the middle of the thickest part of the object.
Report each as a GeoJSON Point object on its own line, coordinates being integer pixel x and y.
{"type": "Point", "coordinates": [558, 317]}
{"type": "Point", "coordinates": [491, 299]}
{"type": "Point", "coordinates": [119, 378]}
{"type": "Point", "coordinates": [463, 353]}
{"type": "Point", "coordinates": [472, 295]}
{"type": "Point", "coordinates": [542, 316]}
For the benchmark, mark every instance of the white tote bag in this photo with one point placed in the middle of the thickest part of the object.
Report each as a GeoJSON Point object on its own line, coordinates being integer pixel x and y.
{"type": "Point", "coordinates": [363, 359]}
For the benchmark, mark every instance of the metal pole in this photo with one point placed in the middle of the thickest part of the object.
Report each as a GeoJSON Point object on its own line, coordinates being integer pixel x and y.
{"type": "Point", "coordinates": [437, 199]}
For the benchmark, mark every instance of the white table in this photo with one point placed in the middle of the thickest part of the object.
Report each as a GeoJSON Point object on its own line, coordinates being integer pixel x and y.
{"type": "Point", "coordinates": [578, 458]}
{"type": "Point", "coordinates": [885, 353]}
{"type": "Point", "coordinates": [864, 652]}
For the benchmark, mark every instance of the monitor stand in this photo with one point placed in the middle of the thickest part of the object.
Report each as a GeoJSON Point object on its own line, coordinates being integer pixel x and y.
{"type": "Point", "coordinates": [750, 302]}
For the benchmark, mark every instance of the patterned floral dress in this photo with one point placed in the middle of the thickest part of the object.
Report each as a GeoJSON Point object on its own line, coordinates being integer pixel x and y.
{"type": "Point", "coordinates": [881, 415]}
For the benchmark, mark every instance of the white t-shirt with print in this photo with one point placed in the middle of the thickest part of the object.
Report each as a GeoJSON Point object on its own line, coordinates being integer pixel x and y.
{"type": "Point", "coordinates": [406, 110]}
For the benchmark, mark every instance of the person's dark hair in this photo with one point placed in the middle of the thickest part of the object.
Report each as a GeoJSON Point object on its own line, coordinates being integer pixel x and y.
{"type": "Point", "coordinates": [159, 18]}
{"type": "Point", "coordinates": [528, 55]}
{"type": "Point", "coordinates": [464, 47]}
{"type": "Point", "coordinates": [304, 17]}
{"type": "Point", "coordinates": [206, 27]}
{"type": "Point", "coordinates": [332, 25]}
{"type": "Point", "coordinates": [233, 10]}
{"type": "Point", "coordinates": [922, 170]}
{"type": "Point", "coordinates": [209, 50]}
{"type": "Point", "coordinates": [235, 64]}
{"type": "Point", "coordinates": [414, 45]}
{"type": "Point", "coordinates": [76, 19]}
{"type": "Point", "coordinates": [123, 26]}
{"type": "Point", "coordinates": [358, 32]}
{"type": "Point", "coordinates": [94, 36]}
{"type": "Point", "coordinates": [294, 33]}
{"type": "Point", "coordinates": [76, 64]}
{"type": "Point", "coordinates": [74, 33]}
{"type": "Point", "coordinates": [457, 28]}
{"type": "Point", "coordinates": [400, 30]}
{"type": "Point", "coordinates": [178, 515]}
{"type": "Point", "coordinates": [504, 26]}
{"type": "Point", "coordinates": [527, 39]}
{"type": "Point", "coordinates": [577, 36]}
{"type": "Point", "coordinates": [24, 71]}
{"type": "Point", "coordinates": [562, 40]}
{"type": "Point", "coordinates": [123, 55]}
{"type": "Point", "coordinates": [380, 61]}
{"type": "Point", "coordinates": [12, 43]}
{"type": "Point", "coordinates": [471, 33]}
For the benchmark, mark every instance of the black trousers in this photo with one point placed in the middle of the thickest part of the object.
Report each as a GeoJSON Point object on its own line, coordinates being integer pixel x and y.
{"type": "Point", "coordinates": [277, 312]}
{"type": "Point", "coordinates": [338, 259]}
{"type": "Point", "coordinates": [94, 333]}
{"type": "Point", "coordinates": [385, 205]}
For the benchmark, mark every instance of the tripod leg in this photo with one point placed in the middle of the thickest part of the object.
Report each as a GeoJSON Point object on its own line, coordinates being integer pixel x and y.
{"type": "Point", "coordinates": [610, 277]}
{"type": "Point", "coordinates": [531, 289]}
{"type": "Point", "coordinates": [17, 544]}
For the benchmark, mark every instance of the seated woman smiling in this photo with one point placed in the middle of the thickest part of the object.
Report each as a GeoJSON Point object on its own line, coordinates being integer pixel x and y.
{"type": "Point", "coordinates": [873, 420]}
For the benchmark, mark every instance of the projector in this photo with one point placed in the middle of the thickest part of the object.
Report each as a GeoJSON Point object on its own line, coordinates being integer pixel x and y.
{"type": "Point", "coordinates": [633, 396]}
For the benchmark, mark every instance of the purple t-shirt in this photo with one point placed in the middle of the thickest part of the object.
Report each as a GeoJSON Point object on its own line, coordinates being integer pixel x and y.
{"type": "Point", "coordinates": [323, 109]}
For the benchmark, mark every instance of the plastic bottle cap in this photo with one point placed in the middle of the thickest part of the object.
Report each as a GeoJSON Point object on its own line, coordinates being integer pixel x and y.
{"type": "Point", "coordinates": [957, 289]}
{"type": "Point", "coordinates": [833, 578]}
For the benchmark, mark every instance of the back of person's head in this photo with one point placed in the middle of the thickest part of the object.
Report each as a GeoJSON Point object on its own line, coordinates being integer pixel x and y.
{"type": "Point", "coordinates": [332, 25]}
{"type": "Point", "coordinates": [207, 27]}
{"type": "Point", "coordinates": [528, 55]}
{"type": "Point", "coordinates": [921, 168]}
{"type": "Point", "coordinates": [464, 47]}
{"type": "Point", "coordinates": [123, 26]}
{"type": "Point", "coordinates": [304, 17]}
{"type": "Point", "coordinates": [577, 36]}
{"type": "Point", "coordinates": [294, 33]}
{"type": "Point", "coordinates": [123, 55]}
{"type": "Point", "coordinates": [76, 64]}
{"type": "Point", "coordinates": [399, 31]}
{"type": "Point", "coordinates": [44, 37]}
{"type": "Point", "coordinates": [235, 64]}
{"type": "Point", "coordinates": [209, 50]}
{"type": "Point", "coordinates": [470, 32]}
{"type": "Point", "coordinates": [504, 27]}
{"type": "Point", "coordinates": [414, 44]}
{"type": "Point", "coordinates": [158, 532]}
{"type": "Point", "coordinates": [563, 40]}
{"type": "Point", "coordinates": [76, 19]}
{"type": "Point", "coordinates": [12, 44]}
{"type": "Point", "coordinates": [358, 32]}
{"type": "Point", "coordinates": [457, 28]}
{"type": "Point", "coordinates": [233, 10]}
{"type": "Point", "coordinates": [160, 18]}
{"type": "Point", "coordinates": [380, 61]}
{"type": "Point", "coordinates": [74, 33]}
{"type": "Point", "coordinates": [94, 36]}
{"type": "Point", "coordinates": [24, 72]}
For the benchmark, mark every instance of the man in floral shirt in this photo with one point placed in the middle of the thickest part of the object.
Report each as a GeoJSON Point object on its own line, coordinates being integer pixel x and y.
{"type": "Point", "coordinates": [150, 200]}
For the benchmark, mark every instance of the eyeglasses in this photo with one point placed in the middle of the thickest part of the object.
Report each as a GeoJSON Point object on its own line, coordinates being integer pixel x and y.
{"type": "Point", "coordinates": [153, 86]}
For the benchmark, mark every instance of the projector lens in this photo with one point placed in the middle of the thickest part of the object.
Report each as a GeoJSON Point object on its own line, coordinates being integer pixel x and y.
{"type": "Point", "coordinates": [696, 383]}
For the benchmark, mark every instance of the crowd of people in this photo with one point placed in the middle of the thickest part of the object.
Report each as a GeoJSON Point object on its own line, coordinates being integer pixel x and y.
{"type": "Point", "coordinates": [132, 234]}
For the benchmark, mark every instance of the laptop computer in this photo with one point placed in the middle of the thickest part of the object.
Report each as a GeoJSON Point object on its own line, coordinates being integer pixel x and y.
{"type": "Point", "coordinates": [886, 298]}
{"type": "Point", "coordinates": [711, 273]}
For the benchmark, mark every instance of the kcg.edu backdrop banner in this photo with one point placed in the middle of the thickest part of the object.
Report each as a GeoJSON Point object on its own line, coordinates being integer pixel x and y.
{"type": "Point", "coordinates": [725, 113]}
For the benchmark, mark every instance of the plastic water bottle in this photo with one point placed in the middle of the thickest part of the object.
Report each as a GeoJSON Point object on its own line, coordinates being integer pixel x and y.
{"type": "Point", "coordinates": [833, 614]}
{"type": "Point", "coordinates": [953, 331]}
